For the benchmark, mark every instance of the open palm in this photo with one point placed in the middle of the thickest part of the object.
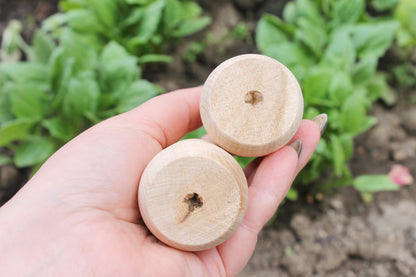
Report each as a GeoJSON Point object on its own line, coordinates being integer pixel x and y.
{"type": "Point", "coordinates": [79, 216]}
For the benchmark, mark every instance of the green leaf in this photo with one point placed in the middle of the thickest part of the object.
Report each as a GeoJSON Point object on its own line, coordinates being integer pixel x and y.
{"type": "Point", "coordinates": [292, 195]}
{"type": "Point", "coordinates": [28, 102]}
{"type": "Point", "coordinates": [105, 10]}
{"type": "Point", "coordinates": [191, 26]}
{"type": "Point", "coordinates": [405, 39]}
{"type": "Point", "coordinates": [347, 11]}
{"type": "Point", "coordinates": [373, 39]}
{"type": "Point", "coordinates": [139, 2]}
{"type": "Point", "coordinates": [67, 5]}
{"type": "Point", "coordinates": [309, 10]}
{"type": "Point", "coordinates": [150, 22]}
{"type": "Point", "coordinates": [62, 68]}
{"type": "Point", "coordinates": [292, 55]}
{"type": "Point", "coordinates": [14, 130]}
{"type": "Point", "coordinates": [174, 13]}
{"type": "Point", "coordinates": [54, 22]}
{"type": "Point", "coordinates": [198, 133]}
{"type": "Point", "coordinates": [364, 70]}
{"type": "Point", "coordinates": [382, 5]}
{"type": "Point", "coordinates": [338, 155]}
{"type": "Point", "coordinates": [113, 52]}
{"type": "Point", "coordinates": [189, 9]}
{"type": "Point", "coordinates": [353, 118]}
{"type": "Point", "coordinates": [347, 142]}
{"type": "Point", "coordinates": [59, 128]}
{"type": "Point", "coordinates": [177, 12]}
{"type": "Point", "coordinates": [243, 161]}
{"type": "Point", "coordinates": [27, 73]}
{"type": "Point", "coordinates": [389, 96]}
{"type": "Point", "coordinates": [377, 87]}
{"type": "Point", "coordinates": [5, 106]}
{"type": "Point", "coordinates": [268, 33]}
{"type": "Point", "coordinates": [43, 46]}
{"type": "Point", "coordinates": [340, 52]}
{"type": "Point", "coordinates": [313, 36]}
{"type": "Point", "coordinates": [317, 83]}
{"type": "Point", "coordinates": [289, 12]}
{"type": "Point", "coordinates": [5, 160]}
{"type": "Point", "coordinates": [310, 112]}
{"type": "Point", "coordinates": [404, 13]}
{"type": "Point", "coordinates": [154, 58]}
{"type": "Point", "coordinates": [340, 87]}
{"type": "Point", "coordinates": [118, 69]}
{"type": "Point", "coordinates": [84, 20]}
{"type": "Point", "coordinates": [138, 93]}
{"type": "Point", "coordinates": [374, 183]}
{"type": "Point", "coordinates": [134, 18]}
{"type": "Point", "coordinates": [335, 119]}
{"type": "Point", "coordinates": [83, 54]}
{"type": "Point", "coordinates": [34, 150]}
{"type": "Point", "coordinates": [82, 96]}
{"type": "Point", "coordinates": [352, 114]}
{"type": "Point", "coordinates": [367, 197]}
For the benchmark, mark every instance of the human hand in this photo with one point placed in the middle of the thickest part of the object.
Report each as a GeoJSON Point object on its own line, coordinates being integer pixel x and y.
{"type": "Point", "coordinates": [79, 215]}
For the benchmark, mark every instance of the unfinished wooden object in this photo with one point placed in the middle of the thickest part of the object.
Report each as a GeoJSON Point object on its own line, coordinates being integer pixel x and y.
{"type": "Point", "coordinates": [193, 195]}
{"type": "Point", "coordinates": [251, 105]}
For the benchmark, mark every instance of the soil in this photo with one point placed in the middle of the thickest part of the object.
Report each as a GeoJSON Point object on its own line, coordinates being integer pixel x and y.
{"type": "Point", "coordinates": [336, 235]}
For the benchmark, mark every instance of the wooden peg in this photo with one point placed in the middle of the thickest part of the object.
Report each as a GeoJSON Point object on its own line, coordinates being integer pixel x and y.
{"type": "Point", "coordinates": [193, 195]}
{"type": "Point", "coordinates": [251, 105]}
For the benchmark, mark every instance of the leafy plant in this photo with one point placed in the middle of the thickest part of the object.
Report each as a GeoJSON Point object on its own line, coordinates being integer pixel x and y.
{"type": "Point", "coordinates": [405, 72]}
{"type": "Point", "coordinates": [368, 184]}
{"type": "Point", "coordinates": [83, 66]}
{"type": "Point", "coordinates": [145, 28]}
{"type": "Point", "coordinates": [333, 48]}
{"type": "Point", "coordinates": [405, 14]}
{"type": "Point", "coordinates": [241, 32]}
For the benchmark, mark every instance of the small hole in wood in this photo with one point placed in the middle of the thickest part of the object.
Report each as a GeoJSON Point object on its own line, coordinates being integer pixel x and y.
{"type": "Point", "coordinates": [253, 97]}
{"type": "Point", "coordinates": [194, 201]}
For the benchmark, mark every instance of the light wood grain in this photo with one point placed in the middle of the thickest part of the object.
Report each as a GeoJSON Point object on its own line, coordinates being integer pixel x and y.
{"type": "Point", "coordinates": [251, 105]}
{"type": "Point", "coordinates": [193, 195]}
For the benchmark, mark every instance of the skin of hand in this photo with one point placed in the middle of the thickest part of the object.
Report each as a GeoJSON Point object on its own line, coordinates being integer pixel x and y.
{"type": "Point", "coordinates": [78, 215]}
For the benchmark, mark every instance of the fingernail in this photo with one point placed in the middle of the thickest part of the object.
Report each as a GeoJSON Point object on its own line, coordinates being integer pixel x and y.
{"type": "Point", "coordinates": [322, 121]}
{"type": "Point", "coordinates": [297, 145]}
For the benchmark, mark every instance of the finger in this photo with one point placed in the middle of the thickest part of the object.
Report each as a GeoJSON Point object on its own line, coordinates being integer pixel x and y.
{"type": "Point", "coordinates": [251, 168]}
{"type": "Point", "coordinates": [169, 117]}
{"type": "Point", "coordinates": [270, 183]}
{"type": "Point", "coordinates": [309, 134]}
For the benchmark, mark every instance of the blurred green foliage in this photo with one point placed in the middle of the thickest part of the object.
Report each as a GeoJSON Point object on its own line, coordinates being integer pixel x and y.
{"type": "Point", "coordinates": [83, 66]}
{"type": "Point", "coordinates": [333, 48]}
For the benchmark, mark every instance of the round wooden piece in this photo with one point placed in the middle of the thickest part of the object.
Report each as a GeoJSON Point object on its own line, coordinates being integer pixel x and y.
{"type": "Point", "coordinates": [193, 195]}
{"type": "Point", "coordinates": [251, 105]}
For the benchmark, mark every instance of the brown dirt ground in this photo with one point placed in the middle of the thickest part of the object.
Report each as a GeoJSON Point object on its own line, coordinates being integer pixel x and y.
{"type": "Point", "coordinates": [337, 236]}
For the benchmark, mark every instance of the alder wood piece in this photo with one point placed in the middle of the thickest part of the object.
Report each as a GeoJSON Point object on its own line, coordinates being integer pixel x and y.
{"type": "Point", "coordinates": [193, 195]}
{"type": "Point", "coordinates": [251, 105]}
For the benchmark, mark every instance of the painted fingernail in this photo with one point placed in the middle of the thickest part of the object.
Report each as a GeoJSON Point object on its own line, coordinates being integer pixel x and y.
{"type": "Point", "coordinates": [322, 121]}
{"type": "Point", "coordinates": [297, 145]}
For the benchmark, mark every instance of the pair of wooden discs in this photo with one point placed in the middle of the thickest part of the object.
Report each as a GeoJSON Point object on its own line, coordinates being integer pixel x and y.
{"type": "Point", "coordinates": [193, 195]}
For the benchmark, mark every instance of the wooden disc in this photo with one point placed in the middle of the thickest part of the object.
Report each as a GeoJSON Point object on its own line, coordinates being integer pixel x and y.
{"type": "Point", "coordinates": [251, 105]}
{"type": "Point", "coordinates": [193, 195]}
